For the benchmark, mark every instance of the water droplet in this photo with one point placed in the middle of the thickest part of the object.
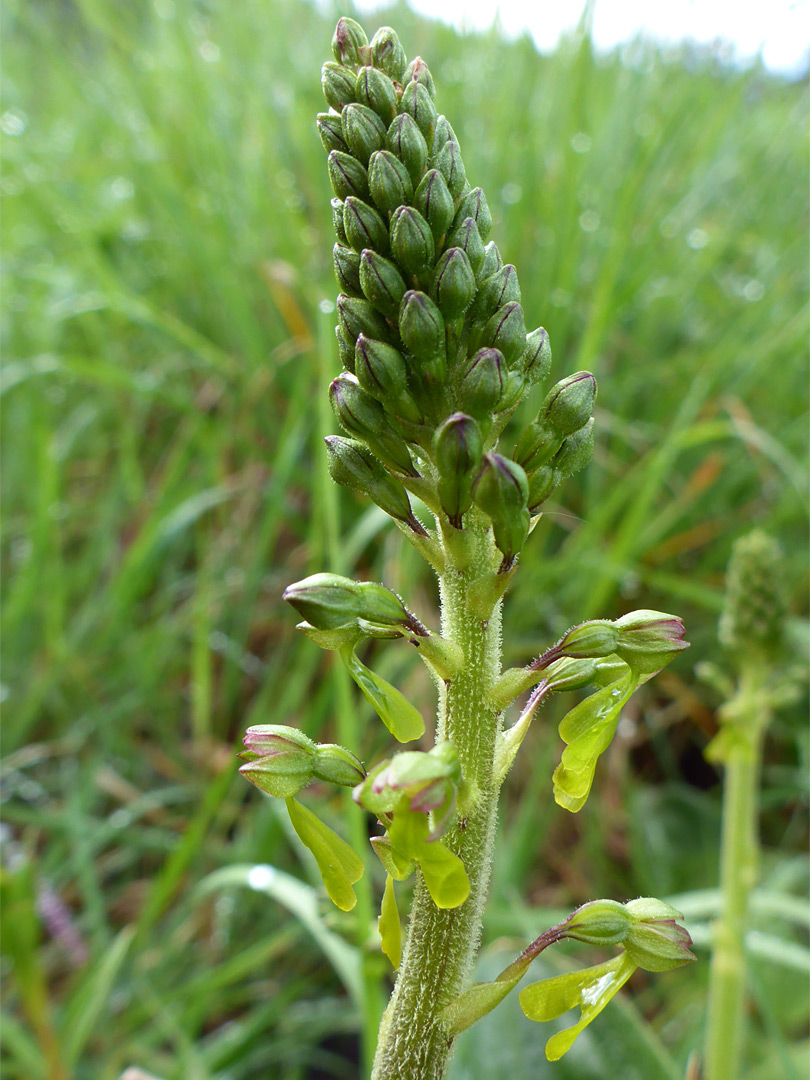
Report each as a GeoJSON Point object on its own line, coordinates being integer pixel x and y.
{"type": "Point", "coordinates": [13, 122]}
{"type": "Point", "coordinates": [753, 290]}
{"type": "Point", "coordinates": [121, 188]}
{"type": "Point", "coordinates": [589, 221]}
{"type": "Point", "coordinates": [260, 877]}
{"type": "Point", "coordinates": [511, 193]}
{"type": "Point", "coordinates": [580, 143]}
{"type": "Point", "coordinates": [326, 307]}
{"type": "Point", "coordinates": [697, 239]}
{"type": "Point", "coordinates": [210, 52]}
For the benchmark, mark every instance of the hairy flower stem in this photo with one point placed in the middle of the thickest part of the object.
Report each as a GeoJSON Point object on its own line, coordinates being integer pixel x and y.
{"type": "Point", "coordinates": [738, 873]}
{"type": "Point", "coordinates": [442, 944]}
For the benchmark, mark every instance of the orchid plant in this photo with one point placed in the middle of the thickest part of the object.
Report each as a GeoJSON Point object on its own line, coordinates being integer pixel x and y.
{"type": "Point", "coordinates": [436, 359]}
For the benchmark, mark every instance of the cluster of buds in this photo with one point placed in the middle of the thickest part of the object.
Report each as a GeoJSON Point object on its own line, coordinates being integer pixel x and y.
{"type": "Point", "coordinates": [755, 610]}
{"type": "Point", "coordinates": [430, 329]}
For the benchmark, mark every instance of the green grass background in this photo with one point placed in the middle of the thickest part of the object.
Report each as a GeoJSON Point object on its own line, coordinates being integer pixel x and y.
{"type": "Point", "coordinates": [167, 249]}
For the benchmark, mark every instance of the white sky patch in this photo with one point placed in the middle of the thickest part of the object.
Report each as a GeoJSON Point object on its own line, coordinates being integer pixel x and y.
{"type": "Point", "coordinates": [778, 30]}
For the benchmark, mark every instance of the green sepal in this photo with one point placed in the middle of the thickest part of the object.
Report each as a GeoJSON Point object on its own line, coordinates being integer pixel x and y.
{"type": "Point", "coordinates": [339, 865]}
{"type": "Point", "coordinates": [334, 764]}
{"type": "Point", "coordinates": [387, 53]}
{"type": "Point", "coordinates": [453, 285]}
{"type": "Point", "coordinates": [337, 220]}
{"type": "Point", "coordinates": [330, 129]}
{"type": "Point", "coordinates": [467, 237]}
{"type": "Point", "coordinates": [474, 205]}
{"type": "Point", "coordinates": [389, 182]}
{"type": "Point", "coordinates": [568, 406]}
{"type": "Point", "coordinates": [575, 453]}
{"type": "Point", "coordinates": [402, 719]}
{"type": "Point", "coordinates": [381, 283]}
{"type": "Point", "coordinates": [338, 85]}
{"type": "Point", "coordinates": [363, 131]}
{"type": "Point", "coordinates": [443, 133]}
{"type": "Point", "coordinates": [448, 162]}
{"type": "Point", "coordinates": [418, 71]}
{"type": "Point", "coordinates": [347, 269]}
{"type": "Point", "coordinates": [411, 240]}
{"type": "Point", "coordinates": [535, 363]}
{"type": "Point", "coordinates": [347, 175]}
{"type": "Point", "coordinates": [492, 261]}
{"type": "Point", "coordinates": [482, 385]}
{"type": "Point", "coordinates": [506, 331]}
{"type": "Point", "coordinates": [380, 369]}
{"type": "Point", "coordinates": [408, 143]}
{"type": "Point", "coordinates": [389, 925]}
{"type": "Point", "coordinates": [374, 89]}
{"type": "Point", "coordinates": [357, 316]}
{"type": "Point", "coordinates": [349, 43]}
{"type": "Point", "coordinates": [363, 227]}
{"type": "Point", "coordinates": [589, 990]}
{"type": "Point", "coordinates": [587, 732]}
{"type": "Point", "coordinates": [433, 200]}
{"type": "Point", "coordinates": [331, 640]}
{"type": "Point", "coordinates": [417, 102]}
{"type": "Point", "coordinates": [496, 290]}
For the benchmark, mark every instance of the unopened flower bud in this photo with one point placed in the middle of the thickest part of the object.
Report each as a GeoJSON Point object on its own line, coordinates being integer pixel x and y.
{"type": "Point", "coordinates": [404, 139]}
{"type": "Point", "coordinates": [363, 227]}
{"type": "Point", "coordinates": [569, 405]}
{"type": "Point", "coordinates": [458, 447]}
{"type": "Point", "coordinates": [417, 102]}
{"type": "Point", "coordinates": [648, 640]}
{"type": "Point", "coordinates": [389, 182]}
{"type": "Point", "coordinates": [355, 467]}
{"type": "Point", "coordinates": [411, 240]}
{"type": "Point", "coordinates": [492, 261]}
{"type": "Point", "coordinates": [338, 85]}
{"type": "Point", "coordinates": [597, 637]}
{"type": "Point", "coordinates": [655, 941]}
{"type": "Point", "coordinates": [535, 363]}
{"type": "Point", "coordinates": [542, 483]}
{"type": "Point", "coordinates": [474, 205]}
{"type": "Point", "coordinates": [375, 89]}
{"type": "Point", "coordinates": [380, 369]}
{"type": "Point", "coordinates": [419, 72]}
{"type": "Point", "coordinates": [347, 175]}
{"type": "Point", "coordinates": [345, 349]}
{"type": "Point", "coordinates": [498, 289]}
{"type": "Point", "coordinates": [575, 452]}
{"type": "Point", "coordinates": [362, 415]}
{"type": "Point", "coordinates": [330, 129]}
{"type": "Point", "coordinates": [381, 282]}
{"type": "Point", "coordinates": [281, 760]}
{"type": "Point", "coordinates": [502, 490]}
{"type": "Point", "coordinates": [443, 133]}
{"type": "Point", "coordinates": [433, 200]}
{"type": "Point", "coordinates": [387, 53]}
{"type": "Point", "coordinates": [350, 44]}
{"type": "Point", "coordinates": [421, 326]}
{"type": "Point", "coordinates": [326, 601]}
{"type": "Point", "coordinates": [482, 384]}
{"type": "Point", "coordinates": [466, 236]}
{"type": "Point", "coordinates": [506, 331]}
{"type": "Point", "coordinates": [448, 162]}
{"type": "Point", "coordinates": [336, 765]}
{"type": "Point", "coordinates": [537, 445]}
{"type": "Point", "coordinates": [347, 269]}
{"type": "Point", "coordinates": [358, 316]}
{"type": "Point", "coordinates": [363, 131]}
{"type": "Point", "coordinates": [337, 220]}
{"type": "Point", "coordinates": [453, 283]}
{"type": "Point", "coordinates": [600, 922]}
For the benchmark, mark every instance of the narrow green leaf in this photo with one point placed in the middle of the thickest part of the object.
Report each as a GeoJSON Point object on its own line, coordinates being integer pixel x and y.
{"type": "Point", "coordinates": [588, 730]}
{"type": "Point", "coordinates": [402, 719]}
{"type": "Point", "coordinates": [389, 925]}
{"type": "Point", "coordinates": [339, 865]}
{"type": "Point", "coordinates": [81, 1018]}
{"type": "Point", "coordinates": [590, 990]}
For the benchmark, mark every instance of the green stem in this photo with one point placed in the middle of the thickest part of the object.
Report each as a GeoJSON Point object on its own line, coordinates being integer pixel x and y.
{"type": "Point", "coordinates": [371, 1005]}
{"type": "Point", "coordinates": [442, 944]}
{"type": "Point", "coordinates": [738, 873]}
